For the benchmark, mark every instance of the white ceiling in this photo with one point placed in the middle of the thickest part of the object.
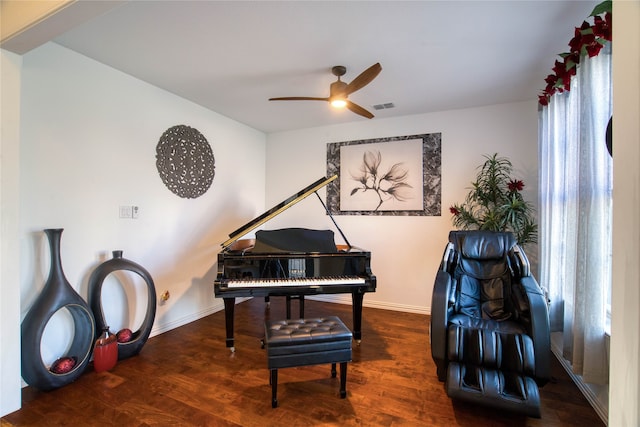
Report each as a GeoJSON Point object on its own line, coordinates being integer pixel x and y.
{"type": "Point", "coordinates": [231, 56]}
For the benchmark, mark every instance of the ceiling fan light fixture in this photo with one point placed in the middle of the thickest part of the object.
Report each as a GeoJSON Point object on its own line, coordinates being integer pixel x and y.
{"type": "Point", "coordinates": [338, 103]}
{"type": "Point", "coordinates": [339, 91]}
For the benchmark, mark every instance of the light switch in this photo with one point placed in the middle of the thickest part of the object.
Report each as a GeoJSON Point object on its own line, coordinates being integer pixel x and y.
{"type": "Point", "coordinates": [126, 212]}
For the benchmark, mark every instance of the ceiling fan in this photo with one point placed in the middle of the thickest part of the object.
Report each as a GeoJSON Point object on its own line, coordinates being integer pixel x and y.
{"type": "Point", "coordinates": [339, 90]}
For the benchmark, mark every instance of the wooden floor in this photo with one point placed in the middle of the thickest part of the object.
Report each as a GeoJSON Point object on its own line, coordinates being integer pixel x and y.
{"type": "Point", "coordinates": [187, 377]}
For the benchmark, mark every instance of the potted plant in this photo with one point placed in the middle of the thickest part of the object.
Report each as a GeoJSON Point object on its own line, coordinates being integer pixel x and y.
{"type": "Point", "coordinates": [495, 203]}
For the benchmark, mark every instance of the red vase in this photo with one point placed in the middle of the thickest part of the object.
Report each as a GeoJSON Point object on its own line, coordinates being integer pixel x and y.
{"type": "Point", "coordinates": [105, 352]}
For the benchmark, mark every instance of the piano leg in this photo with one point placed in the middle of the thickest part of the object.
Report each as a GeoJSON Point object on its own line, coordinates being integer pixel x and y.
{"type": "Point", "coordinates": [300, 299]}
{"type": "Point", "coordinates": [357, 298]}
{"type": "Point", "coordinates": [288, 306]}
{"type": "Point", "coordinates": [229, 308]}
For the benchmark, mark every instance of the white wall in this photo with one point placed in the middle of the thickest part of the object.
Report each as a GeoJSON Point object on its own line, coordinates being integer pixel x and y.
{"type": "Point", "coordinates": [406, 251]}
{"type": "Point", "coordinates": [9, 268]}
{"type": "Point", "coordinates": [624, 377]}
{"type": "Point", "coordinates": [88, 146]}
{"type": "Point", "coordinates": [132, 113]}
{"type": "Point", "coordinates": [88, 141]}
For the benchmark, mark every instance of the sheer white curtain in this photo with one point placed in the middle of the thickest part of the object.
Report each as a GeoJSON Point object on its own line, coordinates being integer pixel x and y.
{"type": "Point", "coordinates": [576, 213]}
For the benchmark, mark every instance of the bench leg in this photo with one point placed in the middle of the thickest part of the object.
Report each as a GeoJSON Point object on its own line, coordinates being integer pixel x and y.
{"type": "Point", "coordinates": [333, 370]}
{"type": "Point", "coordinates": [343, 379]}
{"type": "Point", "coordinates": [274, 388]}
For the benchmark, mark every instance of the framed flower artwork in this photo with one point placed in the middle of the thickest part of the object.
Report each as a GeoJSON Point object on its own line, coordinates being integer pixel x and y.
{"type": "Point", "coordinates": [398, 175]}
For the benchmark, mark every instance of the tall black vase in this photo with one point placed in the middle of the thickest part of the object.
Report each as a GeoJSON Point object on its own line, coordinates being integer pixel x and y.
{"type": "Point", "coordinates": [139, 338]}
{"type": "Point", "coordinates": [56, 295]}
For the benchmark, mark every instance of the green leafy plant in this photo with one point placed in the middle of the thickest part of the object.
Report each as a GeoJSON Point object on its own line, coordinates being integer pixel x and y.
{"type": "Point", "coordinates": [495, 203]}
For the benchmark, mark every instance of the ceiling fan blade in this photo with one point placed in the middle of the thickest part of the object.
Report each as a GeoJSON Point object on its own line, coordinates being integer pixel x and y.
{"type": "Point", "coordinates": [359, 110]}
{"type": "Point", "coordinates": [298, 98]}
{"type": "Point", "coordinates": [364, 78]}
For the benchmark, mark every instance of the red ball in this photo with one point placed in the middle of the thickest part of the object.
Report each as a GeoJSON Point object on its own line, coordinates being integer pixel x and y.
{"type": "Point", "coordinates": [124, 335]}
{"type": "Point", "coordinates": [63, 365]}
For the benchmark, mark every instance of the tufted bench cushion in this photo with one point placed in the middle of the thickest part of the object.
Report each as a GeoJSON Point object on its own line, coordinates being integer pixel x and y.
{"type": "Point", "coordinates": [300, 342]}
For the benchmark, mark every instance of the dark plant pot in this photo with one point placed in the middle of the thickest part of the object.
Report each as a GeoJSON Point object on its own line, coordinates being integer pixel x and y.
{"type": "Point", "coordinates": [57, 294]}
{"type": "Point", "coordinates": [133, 347]}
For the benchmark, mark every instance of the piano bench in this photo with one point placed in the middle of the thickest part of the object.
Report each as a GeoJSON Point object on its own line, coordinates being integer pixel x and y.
{"type": "Point", "coordinates": [300, 342]}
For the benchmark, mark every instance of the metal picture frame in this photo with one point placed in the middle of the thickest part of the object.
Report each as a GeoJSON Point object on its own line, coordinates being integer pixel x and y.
{"type": "Point", "coordinates": [398, 176]}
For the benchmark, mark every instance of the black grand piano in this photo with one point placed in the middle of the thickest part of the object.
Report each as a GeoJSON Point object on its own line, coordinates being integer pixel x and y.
{"type": "Point", "coordinates": [291, 262]}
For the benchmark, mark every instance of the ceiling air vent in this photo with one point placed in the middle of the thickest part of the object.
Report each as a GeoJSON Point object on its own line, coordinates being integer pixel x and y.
{"type": "Point", "coordinates": [383, 106]}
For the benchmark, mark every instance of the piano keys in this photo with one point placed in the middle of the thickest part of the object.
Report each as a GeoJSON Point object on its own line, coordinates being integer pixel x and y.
{"type": "Point", "coordinates": [291, 262]}
{"type": "Point", "coordinates": [296, 281]}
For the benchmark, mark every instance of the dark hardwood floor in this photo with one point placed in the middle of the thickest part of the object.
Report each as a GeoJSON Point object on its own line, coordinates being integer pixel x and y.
{"type": "Point", "coordinates": [187, 377]}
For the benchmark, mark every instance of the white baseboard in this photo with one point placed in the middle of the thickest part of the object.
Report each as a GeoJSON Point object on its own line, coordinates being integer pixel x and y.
{"type": "Point", "coordinates": [596, 395]}
{"type": "Point", "coordinates": [336, 298]}
{"type": "Point", "coordinates": [167, 326]}
{"type": "Point", "coordinates": [346, 299]}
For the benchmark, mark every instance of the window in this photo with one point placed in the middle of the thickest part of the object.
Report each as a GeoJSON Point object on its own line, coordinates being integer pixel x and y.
{"type": "Point", "coordinates": [576, 212]}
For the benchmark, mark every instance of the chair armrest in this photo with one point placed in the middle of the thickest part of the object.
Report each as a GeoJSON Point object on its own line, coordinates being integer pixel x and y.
{"type": "Point", "coordinates": [439, 320]}
{"type": "Point", "coordinates": [448, 258]}
{"type": "Point", "coordinates": [521, 261]}
{"type": "Point", "coordinates": [540, 330]}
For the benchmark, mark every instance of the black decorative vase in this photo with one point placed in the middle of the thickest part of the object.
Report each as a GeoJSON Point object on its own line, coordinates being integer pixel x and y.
{"type": "Point", "coordinates": [139, 337]}
{"type": "Point", "coordinates": [56, 295]}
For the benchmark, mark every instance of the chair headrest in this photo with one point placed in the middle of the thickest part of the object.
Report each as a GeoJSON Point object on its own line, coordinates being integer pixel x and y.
{"type": "Point", "coordinates": [482, 245]}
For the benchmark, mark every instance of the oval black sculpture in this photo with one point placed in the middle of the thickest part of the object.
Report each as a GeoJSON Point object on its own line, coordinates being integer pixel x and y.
{"type": "Point", "coordinates": [609, 136]}
{"type": "Point", "coordinates": [133, 347]}
{"type": "Point", "coordinates": [56, 295]}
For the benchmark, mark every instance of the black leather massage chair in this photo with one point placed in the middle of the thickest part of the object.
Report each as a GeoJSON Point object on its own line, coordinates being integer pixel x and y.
{"type": "Point", "coordinates": [489, 323]}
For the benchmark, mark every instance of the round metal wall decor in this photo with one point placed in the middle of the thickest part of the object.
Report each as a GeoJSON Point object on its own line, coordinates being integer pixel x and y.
{"type": "Point", "coordinates": [185, 161]}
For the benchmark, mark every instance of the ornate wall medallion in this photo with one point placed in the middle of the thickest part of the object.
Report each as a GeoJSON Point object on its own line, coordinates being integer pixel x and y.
{"type": "Point", "coordinates": [185, 161]}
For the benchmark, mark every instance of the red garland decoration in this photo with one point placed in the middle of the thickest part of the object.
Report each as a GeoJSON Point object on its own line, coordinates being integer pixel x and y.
{"type": "Point", "coordinates": [587, 40]}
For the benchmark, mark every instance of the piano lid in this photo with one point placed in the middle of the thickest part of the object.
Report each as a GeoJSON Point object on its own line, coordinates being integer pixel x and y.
{"type": "Point", "coordinates": [277, 209]}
